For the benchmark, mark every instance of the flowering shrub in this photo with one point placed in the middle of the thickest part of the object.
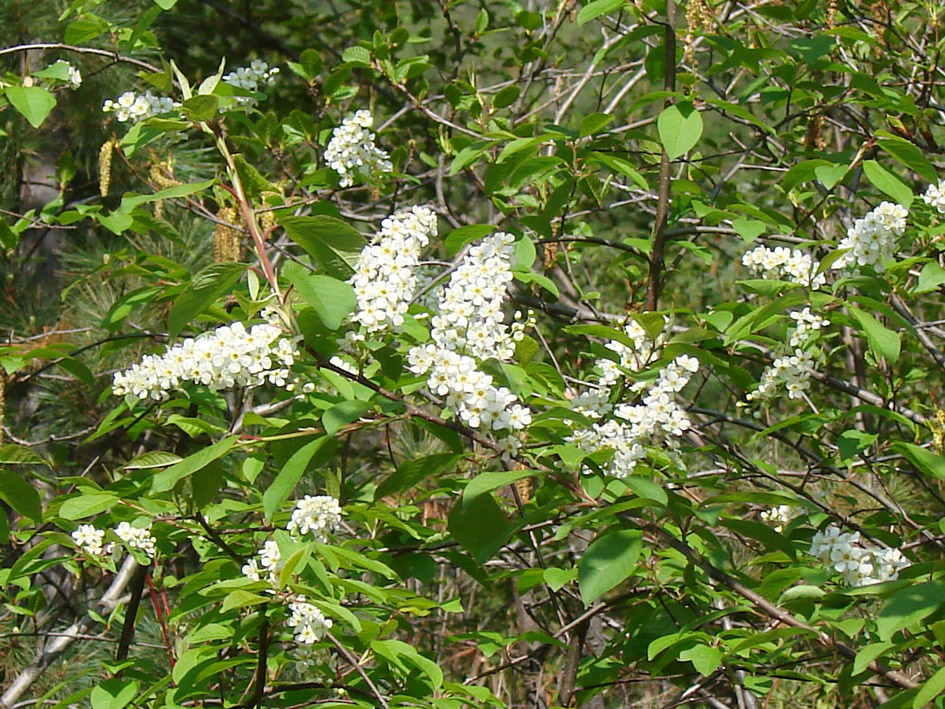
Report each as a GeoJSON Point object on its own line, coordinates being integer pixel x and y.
{"type": "Point", "coordinates": [623, 389]}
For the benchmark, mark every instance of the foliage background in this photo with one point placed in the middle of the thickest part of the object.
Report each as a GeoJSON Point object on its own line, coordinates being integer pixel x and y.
{"type": "Point", "coordinates": [781, 124]}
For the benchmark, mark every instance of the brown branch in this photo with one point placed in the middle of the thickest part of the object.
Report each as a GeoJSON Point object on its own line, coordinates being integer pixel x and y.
{"type": "Point", "coordinates": [654, 282]}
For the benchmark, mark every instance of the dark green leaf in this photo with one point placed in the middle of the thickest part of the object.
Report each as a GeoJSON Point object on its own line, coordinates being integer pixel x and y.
{"type": "Point", "coordinates": [206, 286]}
{"type": "Point", "coordinates": [167, 479]}
{"type": "Point", "coordinates": [20, 495]}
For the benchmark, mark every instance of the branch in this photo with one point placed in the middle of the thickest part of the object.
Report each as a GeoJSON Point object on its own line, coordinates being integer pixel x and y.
{"type": "Point", "coordinates": [115, 56]}
{"type": "Point", "coordinates": [774, 611]}
{"type": "Point", "coordinates": [47, 656]}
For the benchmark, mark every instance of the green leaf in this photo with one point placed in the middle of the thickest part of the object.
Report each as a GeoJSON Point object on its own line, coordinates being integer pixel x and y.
{"type": "Point", "coordinates": [887, 182]}
{"type": "Point", "coordinates": [31, 101]}
{"type": "Point", "coordinates": [867, 654]}
{"type": "Point", "coordinates": [925, 460]}
{"type": "Point", "coordinates": [680, 127]}
{"type": "Point", "coordinates": [748, 229]}
{"type": "Point", "coordinates": [130, 202]}
{"type": "Point", "coordinates": [167, 479]}
{"type": "Point", "coordinates": [165, 4]}
{"type": "Point", "coordinates": [908, 154]}
{"type": "Point", "coordinates": [480, 526]}
{"type": "Point", "coordinates": [930, 277]}
{"type": "Point", "coordinates": [597, 8]}
{"type": "Point", "coordinates": [113, 693]}
{"type": "Point", "coordinates": [608, 561]}
{"type": "Point", "coordinates": [930, 690]}
{"type": "Point", "coordinates": [883, 341]}
{"type": "Point", "coordinates": [802, 592]}
{"type": "Point", "coordinates": [906, 608]}
{"type": "Point", "coordinates": [558, 578]}
{"type": "Point", "coordinates": [356, 55]}
{"type": "Point", "coordinates": [333, 244]}
{"type": "Point", "coordinates": [487, 482]}
{"type": "Point", "coordinates": [830, 175]}
{"type": "Point", "coordinates": [208, 285]}
{"type": "Point", "coordinates": [343, 413]}
{"type": "Point", "coordinates": [87, 505]}
{"type": "Point", "coordinates": [458, 238]}
{"type": "Point", "coordinates": [331, 299]}
{"type": "Point", "coordinates": [153, 459]}
{"type": "Point", "coordinates": [240, 599]}
{"type": "Point", "coordinates": [704, 658]}
{"type": "Point", "coordinates": [20, 495]}
{"type": "Point", "coordinates": [287, 478]}
{"type": "Point", "coordinates": [595, 123]}
{"type": "Point", "coordinates": [201, 109]}
{"type": "Point", "coordinates": [411, 472]}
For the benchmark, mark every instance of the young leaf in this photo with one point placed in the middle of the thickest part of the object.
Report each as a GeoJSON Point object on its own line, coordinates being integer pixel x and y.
{"type": "Point", "coordinates": [680, 127]}
{"type": "Point", "coordinates": [33, 102]}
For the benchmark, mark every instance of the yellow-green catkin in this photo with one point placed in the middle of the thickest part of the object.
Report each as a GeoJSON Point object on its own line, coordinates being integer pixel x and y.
{"type": "Point", "coordinates": [938, 430]}
{"type": "Point", "coordinates": [814, 137]}
{"type": "Point", "coordinates": [227, 244]}
{"type": "Point", "coordinates": [161, 175]}
{"type": "Point", "coordinates": [105, 166]}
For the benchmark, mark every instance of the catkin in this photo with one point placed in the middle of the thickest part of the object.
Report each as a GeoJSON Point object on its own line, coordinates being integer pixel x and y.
{"type": "Point", "coordinates": [227, 244]}
{"type": "Point", "coordinates": [814, 137]}
{"type": "Point", "coordinates": [105, 166]}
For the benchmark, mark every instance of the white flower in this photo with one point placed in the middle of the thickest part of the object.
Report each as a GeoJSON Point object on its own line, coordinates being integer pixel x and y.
{"type": "Point", "coordinates": [319, 516]}
{"type": "Point", "coordinates": [89, 539]}
{"type": "Point", "coordinates": [351, 150]}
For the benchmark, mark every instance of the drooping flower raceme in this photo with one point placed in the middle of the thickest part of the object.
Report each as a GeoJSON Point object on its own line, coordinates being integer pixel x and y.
{"type": "Point", "coordinates": [792, 369]}
{"type": "Point", "coordinates": [778, 516]}
{"type": "Point", "coordinates": [858, 562]}
{"type": "Point", "coordinates": [90, 539]}
{"type": "Point", "coordinates": [470, 324]}
{"type": "Point", "coordinates": [385, 279]}
{"type": "Point", "coordinates": [352, 150]}
{"type": "Point", "coordinates": [136, 107]}
{"type": "Point", "coordinates": [783, 263]}
{"type": "Point", "coordinates": [230, 356]}
{"type": "Point", "coordinates": [251, 78]}
{"type": "Point", "coordinates": [657, 420]}
{"type": "Point", "coordinates": [872, 240]}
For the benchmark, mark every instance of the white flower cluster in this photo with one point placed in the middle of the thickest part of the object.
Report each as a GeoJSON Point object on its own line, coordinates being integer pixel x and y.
{"type": "Point", "coordinates": [251, 78]}
{"type": "Point", "coordinates": [859, 563]}
{"type": "Point", "coordinates": [784, 263]}
{"type": "Point", "coordinates": [658, 420]}
{"type": "Point", "coordinates": [315, 516]}
{"type": "Point", "coordinates": [228, 357]}
{"type": "Point", "coordinates": [935, 197]}
{"type": "Point", "coordinates": [872, 240]}
{"type": "Point", "coordinates": [779, 516]}
{"type": "Point", "coordinates": [636, 357]}
{"type": "Point", "coordinates": [136, 107]}
{"type": "Point", "coordinates": [470, 324]}
{"type": "Point", "coordinates": [792, 369]}
{"type": "Point", "coordinates": [90, 539]}
{"type": "Point", "coordinates": [137, 538]}
{"type": "Point", "coordinates": [319, 516]}
{"type": "Point", "coordinates": [385, 279]}
{"type": "Point", "coordinates": [352, 150]}
{"type": "Point", "coordinates": [310, 623]}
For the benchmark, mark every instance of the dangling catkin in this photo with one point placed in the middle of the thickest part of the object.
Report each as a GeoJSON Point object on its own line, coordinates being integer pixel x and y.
{"type": "Point", "coordinates": [227, 244]}
{"type": "Point", "coordinates": [105, 166]}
